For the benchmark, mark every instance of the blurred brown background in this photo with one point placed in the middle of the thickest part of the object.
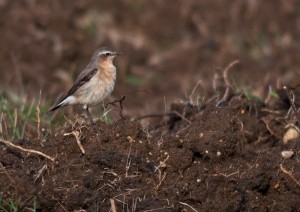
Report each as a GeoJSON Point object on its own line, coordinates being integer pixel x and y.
{"type": "Point", "coordinates": [169, 46]}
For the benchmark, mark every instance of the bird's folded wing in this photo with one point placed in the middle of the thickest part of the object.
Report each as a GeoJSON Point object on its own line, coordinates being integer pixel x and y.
{"type": "Point", "coordinates": [81, 81]}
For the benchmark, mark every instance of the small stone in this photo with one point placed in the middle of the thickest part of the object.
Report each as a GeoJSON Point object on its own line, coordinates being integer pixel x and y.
{"type": "Point", "coordinates": [276, 186]}
{"type": "Point", "coordinates": [130, 139]}
{"type": "Point", "coordinates": [291, 135]}
{"type": "Point", "coordinates": [219, 153]}
{"type": "Point", "coordinates": [287, 154]}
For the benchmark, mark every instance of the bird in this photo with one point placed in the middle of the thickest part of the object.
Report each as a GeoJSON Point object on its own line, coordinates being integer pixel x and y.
{"type": "Point", "coordinates": [93, 84]}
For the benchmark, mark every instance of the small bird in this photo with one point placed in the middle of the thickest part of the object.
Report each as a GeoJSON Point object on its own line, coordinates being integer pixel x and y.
{"type": "Point", "coordinates": [94, 83]}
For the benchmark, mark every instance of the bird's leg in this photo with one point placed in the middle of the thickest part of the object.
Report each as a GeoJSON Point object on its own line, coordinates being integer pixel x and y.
{"type": "Point", "coordinates": [86, 109]}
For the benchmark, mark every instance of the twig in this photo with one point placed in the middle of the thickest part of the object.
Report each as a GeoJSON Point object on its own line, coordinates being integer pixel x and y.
{"type": "Point", "coordinates": [269, 97]}
{"type": "Point", "coordinates": [291, 97]}
{"type": "Point", "coordinates": [193, 91]}
{"type": "Point", "coordinates": [120, 101]}
{"type": "Point", "coordinates": [182, 117]}
{"type": "Point", "coordinates": [38, 114]}
{"type": "Point", "coordinates": [76, 135]}
{"type": "Point", "coordinates": [38, 121]}
{"type": "Point", "coordinates": [26, 150]}
{"type": "Point", "coordinates": [225, 175]}
{"type": "Point", "coordinates": [289, 174]}
{"type": "Point", "coordinates": [6, 173]}
{"type": "Point", "coordinates": [162, 163]}
{"type": "Point", "coordinates": [227, 82]}
{"type": "Point", "coordinates": [183, 203]}
{"type": "Point", "coordinates": [62, 206]}
{"type": "Point", "coordinates": [128, 161]}
{"type": "Point", "coordinates": [161, 178]}
{"type": "Point", "coordinates": [113, 205]}
{"type": "Point", "coordinates": [225, 73]}
{"type": "Point", "coordinates": [271, 111]}
{"type": "Point", "coordinates": [40, 173]}
{"type": "Point", "coordinates": [270, 130]}
{"type": "Point", "coordinates": [15, 120]}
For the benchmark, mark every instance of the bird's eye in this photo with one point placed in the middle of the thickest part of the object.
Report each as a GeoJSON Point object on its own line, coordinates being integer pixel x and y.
{"type": "Point", "coordinates": [107, 54]}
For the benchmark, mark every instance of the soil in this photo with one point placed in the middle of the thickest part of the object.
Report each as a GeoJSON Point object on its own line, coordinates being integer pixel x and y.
{"type": "Point", "coordinates": [180, 143]}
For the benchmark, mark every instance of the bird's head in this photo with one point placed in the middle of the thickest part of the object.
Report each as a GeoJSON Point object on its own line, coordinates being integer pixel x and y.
{"type": "Point", "coordinates": [104, 55]}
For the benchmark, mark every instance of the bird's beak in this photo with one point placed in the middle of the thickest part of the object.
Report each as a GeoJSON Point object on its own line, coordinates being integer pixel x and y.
{"type": "Point", "coordinates": [117, 53]}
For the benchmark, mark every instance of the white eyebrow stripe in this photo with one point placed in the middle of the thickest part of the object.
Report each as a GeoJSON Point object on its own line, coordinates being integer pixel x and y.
{"type": "Point", "coordinates": [104, 52]}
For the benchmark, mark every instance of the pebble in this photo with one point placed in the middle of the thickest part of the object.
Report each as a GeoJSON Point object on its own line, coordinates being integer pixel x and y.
{"type": "Point", "coordinates": [291, 135]}
{"type": "Point", "coordinates": [287, 154]}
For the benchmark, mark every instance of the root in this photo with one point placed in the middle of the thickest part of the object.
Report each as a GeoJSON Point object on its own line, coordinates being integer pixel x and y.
{"type": "Point", "coordinates": [113, 205]}
{"type": "Point", "coordinates": [290, 94]}
{"type": "Point", "coordinates": [76, 134]}
{"type": "Point", "coordinates": [40, 173]}
{"type": "Point", "coordinates": [185, 204]}
{"type": "Point", "coordinates": [30, 151]}
{"type": "Point", "coordinates": [229, 87]}
{"type": "Point", "coordinates": [289, 174]}
{"type": "Point", "coordinates": [120, 101]}
{"type": "Point", "coordinates": [270, 130]}
{"type": "Point", "coordinates": [7, 174]}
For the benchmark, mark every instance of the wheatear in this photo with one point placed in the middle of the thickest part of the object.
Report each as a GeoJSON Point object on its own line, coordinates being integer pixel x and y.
{"type": "Point", "coordinates": [94, 83]}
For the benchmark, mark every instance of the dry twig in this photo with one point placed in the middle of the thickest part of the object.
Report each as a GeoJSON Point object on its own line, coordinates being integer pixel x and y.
{"type": "Point", "coordinates": [120, 101]}
{"type": "Point", "coordinates": [31, 151]}
{"type": "Point", "coordinates": [269, 129]}
{"type": "Point", "coordinates": [7, 174]}
{"type": "Point", "coordinates": [40, 173]}
{"type": "Point", "coordinates": [38, 121]}
{"type": "Point", "coordinates": [227, 82]}
{"type": "Point", "coordinates": [193, 91]}
{"type": "Point", "coordinates": [182, 117]}
{"type": "Point", "coordinates": [290, 94]}
{"type": "Point", "coordinates": [289, 174]}
{"type": "Point", "coordinates": [38, 112]}
{"type": "Point", "coordinates": [113, 205]}
{"type": "Point", "coordinates": [76, 135]}
{"type": "Point", "coordinates": [128, 160]}
{"type": "Point", "coordinates": [183, 203]}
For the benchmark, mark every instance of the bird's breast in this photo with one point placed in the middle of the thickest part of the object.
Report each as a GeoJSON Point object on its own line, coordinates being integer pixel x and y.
{"type": "Point", "coordinates": [99, 87]}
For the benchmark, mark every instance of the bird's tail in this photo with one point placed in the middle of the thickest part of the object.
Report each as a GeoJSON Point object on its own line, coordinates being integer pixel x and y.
{"type": "Point", "coordinates": [64, 102]}
{"type": "Point", "coordinates": [56, 107]}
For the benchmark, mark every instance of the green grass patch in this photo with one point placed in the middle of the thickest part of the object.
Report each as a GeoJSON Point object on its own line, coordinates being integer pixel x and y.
{"type": "Point", "coordinates": [15, 116]}
{"type": "Point", "coordinates": [12, 204]}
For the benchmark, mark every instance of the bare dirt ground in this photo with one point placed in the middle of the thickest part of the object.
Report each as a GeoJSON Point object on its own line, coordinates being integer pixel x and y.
{"type": "Point", "coordinates": [196, 151]}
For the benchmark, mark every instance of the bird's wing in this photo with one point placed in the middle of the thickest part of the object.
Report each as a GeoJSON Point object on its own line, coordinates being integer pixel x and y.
{"type": "Point", "coordinates": [81, 80]}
